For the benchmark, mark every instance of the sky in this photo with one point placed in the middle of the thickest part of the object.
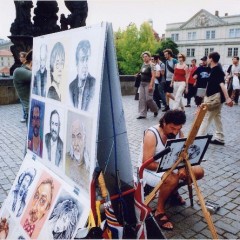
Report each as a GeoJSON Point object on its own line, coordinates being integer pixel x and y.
{"type": "Point", "coordinates": [123, 12]}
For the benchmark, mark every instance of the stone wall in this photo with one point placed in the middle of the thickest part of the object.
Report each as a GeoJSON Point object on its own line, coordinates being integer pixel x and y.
{"type": "Point", "coordinates": [127, 85]}
{"type": "Point", "coordinates": [8, 94]}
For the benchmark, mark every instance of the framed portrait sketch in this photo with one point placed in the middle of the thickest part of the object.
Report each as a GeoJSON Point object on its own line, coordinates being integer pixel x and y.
{"type": "Point", "coordinates": [35, 127]}
{"type": "Point", "coordinates": [54, 136]}
{"type": "Point", "coordinates": [67, 215]}
{"type": "Point", "coordinates": [39, 205]}
{"type": "Point", "coordinates": [79, 159]}
{"type": "Point", "coordinates": [195, 152]}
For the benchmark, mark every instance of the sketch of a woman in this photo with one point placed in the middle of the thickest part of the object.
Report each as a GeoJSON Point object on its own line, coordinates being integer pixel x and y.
{"type": "Point", "coordinates": [57, 61]}
{"type": "Point", "coordinates": [64, 219]}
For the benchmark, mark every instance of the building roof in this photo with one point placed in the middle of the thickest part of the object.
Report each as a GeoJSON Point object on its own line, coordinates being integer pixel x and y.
{"type": "Point", "coordinates": [5, 70]}
{"type": "Point", "coordinates": [5, 52]}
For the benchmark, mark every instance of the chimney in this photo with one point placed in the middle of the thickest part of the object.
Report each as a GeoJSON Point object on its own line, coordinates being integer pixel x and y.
{"type": "Point", "coordinates": [226, 14]}
{"type": "Point", "coordinates": [216, 13]}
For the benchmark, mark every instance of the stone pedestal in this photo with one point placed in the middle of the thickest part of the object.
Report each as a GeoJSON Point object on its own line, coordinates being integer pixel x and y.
{"type": "Point", "coordinates": [8, 94]}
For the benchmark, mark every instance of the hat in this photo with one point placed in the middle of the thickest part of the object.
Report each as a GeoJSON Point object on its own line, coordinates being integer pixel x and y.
{"type": "Point", "coordinates": [204, 58]}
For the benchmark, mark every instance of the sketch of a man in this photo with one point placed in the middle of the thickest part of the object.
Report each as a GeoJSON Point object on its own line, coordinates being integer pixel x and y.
{"type": "Point", "coordinates": [40, 78]}
{"type": "Point", "coordinates": [64, 219]}
{"type": "Point", "coordinates": [78, 151]}
{"type": "Point", "coordinates": [82, 87]}
{"type": "Point", "coordinates": [54, 144]}
{"type": "Point", "coordinates": [57, 60]}
{"type": "Point", "coordinates": [35, 144]}
{"type": "Point", "coordinates": [40, 205]}
{"type": "Point", "coordinates": [21, 190]}
{"type": "Point", "coordinates": [77, 159]}
{"type": "Point", "coordinates": [193, 151]}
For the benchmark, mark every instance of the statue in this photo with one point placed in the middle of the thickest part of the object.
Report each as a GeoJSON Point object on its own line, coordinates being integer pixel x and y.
{"type": "Point", "coordinates": [77, 18]}
{"type": "Point", "coordinates": [22, 24]}
{"type": "Point", "coordinates": [45, 19]}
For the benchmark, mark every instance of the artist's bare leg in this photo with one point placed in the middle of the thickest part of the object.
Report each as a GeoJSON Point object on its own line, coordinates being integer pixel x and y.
{"type": "Point", "coordinates": [170, 185]}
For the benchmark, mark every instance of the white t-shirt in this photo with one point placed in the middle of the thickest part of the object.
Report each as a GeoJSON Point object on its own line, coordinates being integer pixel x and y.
{"type": "Point", "coordinates": [152, 178]}
{"type": "Point", "coordinates": [157, 69]}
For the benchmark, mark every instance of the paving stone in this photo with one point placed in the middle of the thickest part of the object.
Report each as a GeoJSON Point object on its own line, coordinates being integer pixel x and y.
{"type": "Point", "coordinates": [220, 184]}
{"type": "Point", "coordinates": [227, 227]}
{"type": "Point", "coordinates": [230, 206]}
{"type": "Point", "coordinates": [229, 236]}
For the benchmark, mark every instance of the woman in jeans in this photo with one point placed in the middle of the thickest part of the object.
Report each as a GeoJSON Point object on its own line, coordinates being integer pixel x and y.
{"type": "Point", "coordinates": [146, 87]}
{"type": "Point", "coordinates": [180, 77]}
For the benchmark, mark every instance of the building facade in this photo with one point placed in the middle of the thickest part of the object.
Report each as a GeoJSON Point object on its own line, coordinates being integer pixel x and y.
{"type": "Point", "coordinates": [6, 61]}
{"type": "Point", "coordinates": [205, 33]}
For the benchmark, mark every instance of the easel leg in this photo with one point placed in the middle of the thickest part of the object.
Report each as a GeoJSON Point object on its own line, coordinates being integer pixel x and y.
{"type": "Point", "coordinates": [201, 200]}
{"type": "Point", "coordinates": [189, 183]}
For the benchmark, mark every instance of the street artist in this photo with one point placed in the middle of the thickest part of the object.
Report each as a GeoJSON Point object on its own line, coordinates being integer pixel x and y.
{"type": "Point", "coordinates": [154, 142]}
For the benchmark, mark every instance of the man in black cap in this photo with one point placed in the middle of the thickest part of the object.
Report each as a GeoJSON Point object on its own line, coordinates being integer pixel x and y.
{"type": "Point", "coordinates": [201, 75]}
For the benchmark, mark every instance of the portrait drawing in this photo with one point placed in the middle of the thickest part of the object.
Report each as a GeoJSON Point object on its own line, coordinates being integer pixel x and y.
{"type": "Point", "coordinates": [40, 78]}
{"type": "Point", "coordinates": [39, 205]}
{"type": "Point", "coordinates": [77, 155]}
{"type": "Point", "coordinates": [20, 191]}
{"type": "Point", "coordinates": [53, 142]}
{"type": "Point", "coordinates": [35, 135]}
{"type": "Point", "coordinates": [57, 61]}
{"type": "Point", "coordinates": [81, 89]}
{"type": "Point", "coordinates": [64, 218]}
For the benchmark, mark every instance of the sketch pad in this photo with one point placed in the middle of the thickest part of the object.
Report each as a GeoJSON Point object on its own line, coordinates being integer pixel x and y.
{"type": "Point", "coordinates": [196, 152]}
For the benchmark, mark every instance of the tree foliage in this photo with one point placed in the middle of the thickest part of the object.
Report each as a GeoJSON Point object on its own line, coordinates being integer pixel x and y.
{"type": "Point", "coordinates": [131, 43]}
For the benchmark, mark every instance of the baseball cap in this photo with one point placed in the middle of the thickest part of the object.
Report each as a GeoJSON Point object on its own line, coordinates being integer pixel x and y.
{"type": "Point", "coordinates": [204, 58]}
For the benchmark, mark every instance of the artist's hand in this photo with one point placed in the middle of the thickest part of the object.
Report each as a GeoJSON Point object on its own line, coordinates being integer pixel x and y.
{"type": "Point", "coordinates": [182, 174]}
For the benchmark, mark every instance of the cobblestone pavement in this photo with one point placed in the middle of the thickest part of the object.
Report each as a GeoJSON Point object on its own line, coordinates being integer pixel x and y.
{"type": "Point", "coordinates": [221, 183]}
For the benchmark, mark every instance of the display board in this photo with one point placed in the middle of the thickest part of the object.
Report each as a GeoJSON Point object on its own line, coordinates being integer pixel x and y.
{"type": "Point", "coordinates": [76, 121]}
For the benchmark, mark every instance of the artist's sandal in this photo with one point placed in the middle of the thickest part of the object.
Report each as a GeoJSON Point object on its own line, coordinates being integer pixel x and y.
{"type": "Point", "coordinates": [162, 220]}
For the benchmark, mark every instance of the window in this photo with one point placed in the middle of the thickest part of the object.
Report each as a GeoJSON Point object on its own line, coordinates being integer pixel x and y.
{"type": "Point", "coordinates": [234, 32]}
{"type": "Point", "coordinates": [211, 50]}
{"type": "Point", "coordinates": [206, 52]}
{"type": "Point", "coordinates": [175, 36]}
{"type": "Point", "coordinates": [210, 34]}
{"type": "Point", "coordinates": [235, 52]}
{"type": "Point", "coordinates": [192, 35]}
{"type": "Point", "coordinates": [190, 52]}
{"type": "Point", "coordinates": [232, 52]}
{"type": "Point", "coordinates": [229, 52]}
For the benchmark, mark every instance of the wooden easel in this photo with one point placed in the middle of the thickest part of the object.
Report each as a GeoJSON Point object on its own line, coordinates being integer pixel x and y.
{"type": "Point", "coordinates": [183, 156]}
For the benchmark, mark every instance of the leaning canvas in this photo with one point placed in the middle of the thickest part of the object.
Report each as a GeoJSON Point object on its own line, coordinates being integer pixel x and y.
{"type": "Point", "coordinates": [195, 152]}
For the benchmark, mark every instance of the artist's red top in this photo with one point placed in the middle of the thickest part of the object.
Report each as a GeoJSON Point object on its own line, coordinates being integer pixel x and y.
{"type": "Point", "coordinates": [179, 75]}
{"type": "Point", "coordinates": [191, 80]}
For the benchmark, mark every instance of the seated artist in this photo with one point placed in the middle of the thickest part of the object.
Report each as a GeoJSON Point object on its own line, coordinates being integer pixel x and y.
{"type": "Point", "coordinates": [154, 142]}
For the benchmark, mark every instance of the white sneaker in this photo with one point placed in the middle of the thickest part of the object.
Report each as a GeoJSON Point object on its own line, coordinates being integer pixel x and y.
{"type": "Point", "coordinates": [23, 120]}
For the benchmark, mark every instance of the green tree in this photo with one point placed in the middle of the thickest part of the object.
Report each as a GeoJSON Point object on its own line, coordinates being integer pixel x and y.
{"type": "Point", "coordinates": [168, 43]}
{"type": "Point", "coordinates": [131, 43]}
